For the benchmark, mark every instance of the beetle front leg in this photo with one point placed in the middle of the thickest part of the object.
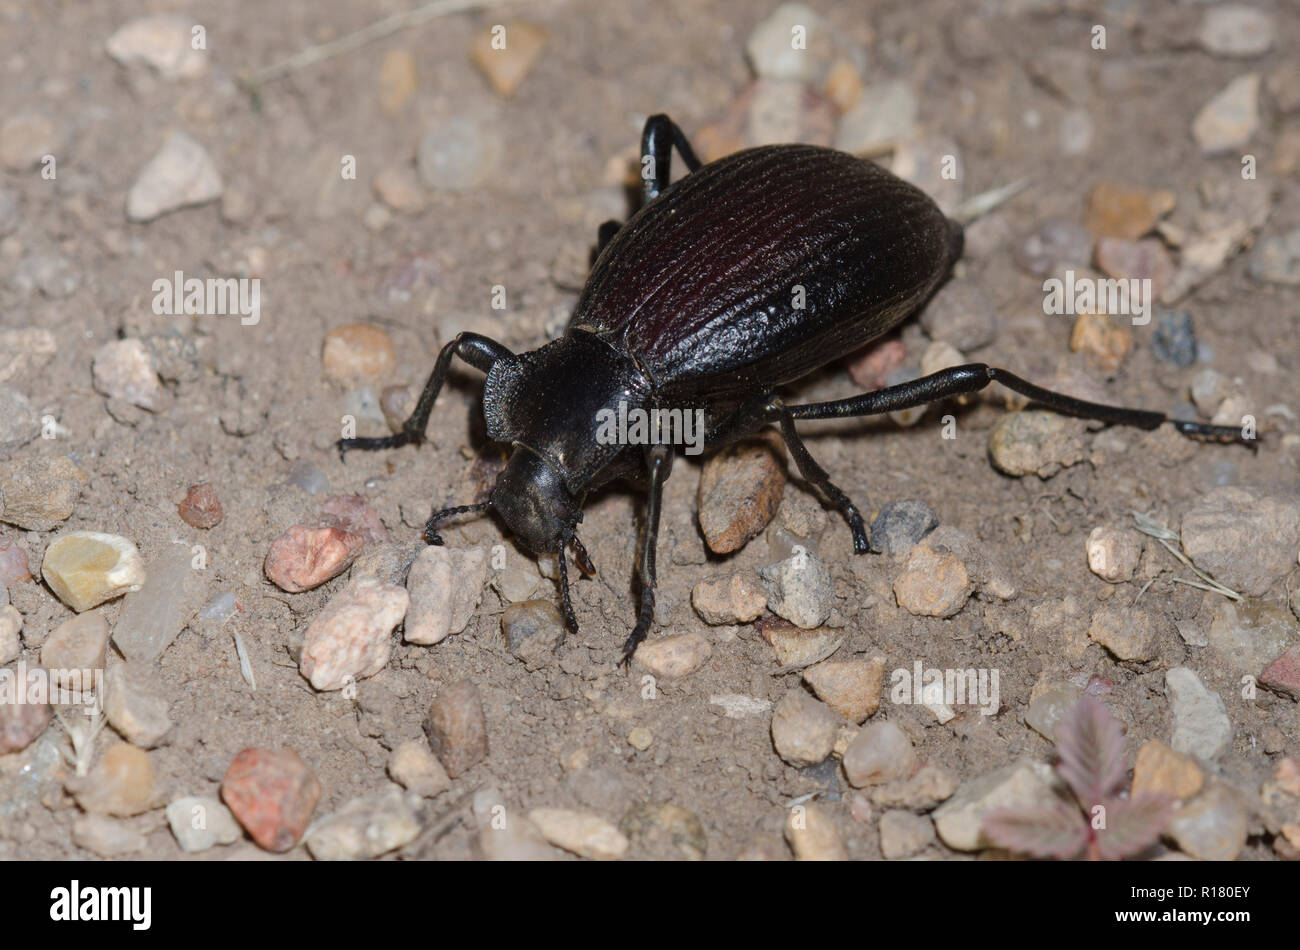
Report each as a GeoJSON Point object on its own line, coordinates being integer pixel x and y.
{"type": "Point", "coordinates": [659, 462]}
{"type": "Point", "coordinates": [478, 351]}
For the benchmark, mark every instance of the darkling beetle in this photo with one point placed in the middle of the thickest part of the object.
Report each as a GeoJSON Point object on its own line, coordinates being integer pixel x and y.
{"type": "Point", "coordinates": [691, 305]}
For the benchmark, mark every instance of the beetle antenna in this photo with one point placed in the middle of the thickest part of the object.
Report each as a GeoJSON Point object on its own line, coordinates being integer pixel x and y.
{"type": "Point", "coordinates": [431, 535]}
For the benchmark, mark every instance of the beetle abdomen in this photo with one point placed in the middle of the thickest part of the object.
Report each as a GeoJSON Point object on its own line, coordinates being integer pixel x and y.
{"type": "Point", "coordinates": [705, 283]}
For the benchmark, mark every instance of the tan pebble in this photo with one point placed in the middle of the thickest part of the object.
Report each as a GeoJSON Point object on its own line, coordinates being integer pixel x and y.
{"type": "Point", "coordinates": [86, 568]}
{"type": "Point", "coordinates": [587, 836]}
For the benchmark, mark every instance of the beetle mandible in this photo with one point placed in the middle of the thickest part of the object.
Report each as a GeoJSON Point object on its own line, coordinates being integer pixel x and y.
{"type": "Point", "coordinates": [689, 305]}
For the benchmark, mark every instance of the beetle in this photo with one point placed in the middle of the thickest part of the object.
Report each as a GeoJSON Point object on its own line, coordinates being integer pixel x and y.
{"type": "Point", "coordinates": [691, 305]}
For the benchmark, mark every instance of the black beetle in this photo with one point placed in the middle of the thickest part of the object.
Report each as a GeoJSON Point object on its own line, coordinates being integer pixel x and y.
{"type": "Point", "coordinates": [694, 304]}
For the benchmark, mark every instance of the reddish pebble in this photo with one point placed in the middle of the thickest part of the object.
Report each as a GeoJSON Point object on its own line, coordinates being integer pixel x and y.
{"type": "Point", "coordinates": [201, 507]}
{"type": "Point", "coordinates": [870, 369]}
{"type": "Point", "coordinates": [457, 728]}
{"type": "Point", "coordinates": [20, 723]}
{"type": "Point", "coordinates": [13, 563]}
{"type": "Point", "coordinates": [272, 794]}
{"type": "Point", "coordinates": [351, 513]}
{"type": "Point", "coordinates": [1283, 674]}
{"type": "Point", "coordinates": [303, 558]}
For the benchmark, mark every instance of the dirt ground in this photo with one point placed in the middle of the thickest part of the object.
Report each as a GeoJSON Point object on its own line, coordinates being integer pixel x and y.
{"type": "Point", "coordinates": [258, 402]}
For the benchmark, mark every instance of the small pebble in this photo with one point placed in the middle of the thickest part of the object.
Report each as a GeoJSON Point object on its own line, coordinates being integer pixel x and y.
{"type": "Point", "coordinates": [1230, 119]}
{"type": "Point", "coordinates": [1283, 674]}
{"type": "Point", "coordinates": [201, 508]}
{"type": "Point", "coordinates": [738, 706]}
{"type": "Point", "coordinates": [134, 704]}
{"type": "Point", "coordinates": [1146, 259]}
{"type": "Point", "coordinates": [77, 644]}
{"type": "Point", "coordinates": [161, 41]}
{"type": "Point", "coordinates": [457, 728]}
{"type": "Point", "coordinates": [662, 830]}
{"type": "Point", "coordinates": [675, 656]}
{"type": "Point", "coordinates": [352, 513]}
{"type": "Point", "coordinates": [803, 729]}
{"type": "Point", "coordinates": [272, 793]}
{"type": "Point", "coordinates": [795, 647]}
{"type": "Point", "coordinates": [1160, 770]}
{"type": "Point", "coordinates": [1050, 707]}
{"type": "Point", "coordinates": [302, 558]}
{"type": "Point", "coordinates": [799, 589]}
{"type": "Point", "coordinates": [812, 834]}
{"type": "Point", "coordinates": [1232, 30]}
{"type": "Point", "coordinates": [21, 723]}
{"type": "Point", "coordinates": [773, 54]}
{"type": "Point", "coordinates": [901, 525]}
{"type": "Point", "coordinates": [351, 638]}
{"type": "Point", "coordinates": [125, 369]}
{"type": "Point", "coordinates": [884, 117]}
{"type": "Point", "coordinates": [397, 80]}
{"type": "Point", "coordinates": [533, 629]}
{"type": "Point", "coordinates": [1276, 260]}
{"type": "Point", "coordinates": [640, 738]}
{"type": "Point", "coordinates": [1174, 341]}
{"type": "Point", "coordinates": [1243, 539]}
{"type": "Point", "coordinates": [877, 361]}
{"type": "Point", "coordinates": [459, 153]}
{"type": "Point", "coordinates": [903, 834]}
{"type": "Point", "coordinates": [398, 186]}
{"type": "Point", "coordinates": [881, 753]}
{"type": "Point", "coordinates": [308, 477]}
{"type": "Point", "coordinates": [739, 494]}
{"type": "Point", "coordinates": [1201, 724]}
{"type": "Point", "coordinates": [87, 568]}
{"type": "Point", "coordinates": [180, 175]}
{"type": "Point", "coordinates": [735, 598]}
{"type": "Point", "coordinates": [358, 353]}
{"type": "Point", "coordinates": [19, 423]}
{"type": "Point", "coordinates": [11, 621]}
{"type": "Point", "coordinates": [120, 784]}
{"type": "Point", "coordinates": [507, 54]}
{"type": "Point", "coordinates": [586, 835]}
{"type": "Point", "coordinates": [1117, 211]}
{"type": "Point", "coordinates": [1248, 636]}
{"type": "Point", "coordinates": [200, 824]}
{"type": "Point", "coordinates": [1021, 785]}
{"type": "Point", "coordinates": [106, 837]}
{"type": "Point", "coordinates": [25, 139]}
{"type": "Point", "coordinates": [446, 587]}
{"type": "Point", "coordinates": [1036, 442]}
{"type": "Point", "coordinates": [932, 583]}
{"type": "Point", "coordinates": [850, 687]}
{"type": "Point", "coordinates": [1129, 633]}
{"type": "Point", "coordinates": [1057, 243]}
{"type": "Point", "coordinates": [1113, 553]}
{"type": "Point", "coordinates": [1211, 827]}
{"type": "Point", "coordinates": [365, 828]}
{"type": "Point", "coordinates": [39, 493]}
{"type": "Point", "coordinates": [961, 314]}
{"type": "Point", "coordinates": [154, 616]}
{"type": "Point", "coordinates": [931, 785]}
{"type": "Point", "coordinates": [1102, 339]}
{"type": "Point", "coordinates": [416, 769]}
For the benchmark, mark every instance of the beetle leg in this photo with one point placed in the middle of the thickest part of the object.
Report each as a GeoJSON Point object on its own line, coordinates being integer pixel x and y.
{"type": "Point", "coordinates": [658, 139]}
{"type": "Point", "coordinates": [478, 351]}
{"type": "Point", "coordinates": [606, 233]}
{"type": "Point", "coordinates": [972, 377]}
{"type": "Point", "coordinates": [570, 620]}
{"type": "Point", "coordinates": [818, 476]}
{"type": "Point", "coordinates": [659, 461]}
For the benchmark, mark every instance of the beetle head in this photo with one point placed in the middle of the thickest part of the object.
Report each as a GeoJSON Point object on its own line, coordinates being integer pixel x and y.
{"type": "Point", "coordinates": [532, 499]}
